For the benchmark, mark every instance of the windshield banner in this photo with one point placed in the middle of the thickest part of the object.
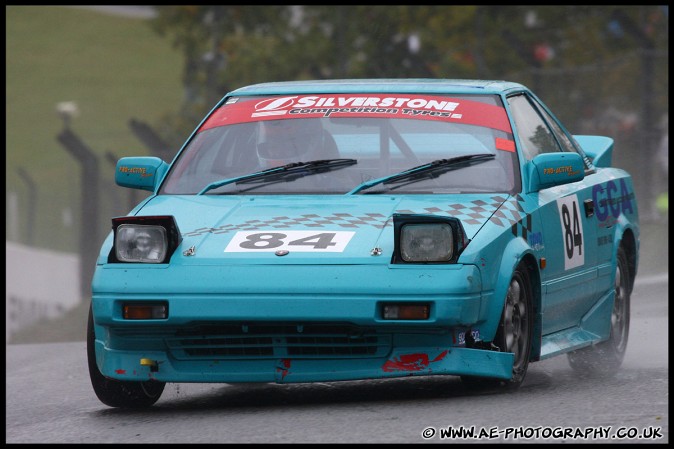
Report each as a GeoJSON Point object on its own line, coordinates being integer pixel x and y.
{"type": "Point", "coordinates": [241, 110]}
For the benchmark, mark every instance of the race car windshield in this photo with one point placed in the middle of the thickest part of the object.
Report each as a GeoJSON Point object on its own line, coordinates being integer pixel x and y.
{"type": "Point", "coordinates": [251, 138]}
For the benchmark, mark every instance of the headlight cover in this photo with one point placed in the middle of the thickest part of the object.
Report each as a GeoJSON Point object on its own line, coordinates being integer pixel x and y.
{"type": "Point", "coordinates": [427, 239]}
{"type": "Point", "coordinates": [144, 239]}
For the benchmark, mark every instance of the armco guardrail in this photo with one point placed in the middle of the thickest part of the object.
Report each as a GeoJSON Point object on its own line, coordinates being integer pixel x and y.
{"type": "Point", "coordinates": [41, 284]}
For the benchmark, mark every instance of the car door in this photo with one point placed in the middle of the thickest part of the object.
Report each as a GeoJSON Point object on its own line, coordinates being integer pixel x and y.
{"type": "Point", "coordinates": [568, 231]}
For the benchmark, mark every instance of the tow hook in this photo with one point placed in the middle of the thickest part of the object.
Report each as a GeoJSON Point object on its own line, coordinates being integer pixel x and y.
{"type": "Point", "coordinates": [153, 364]}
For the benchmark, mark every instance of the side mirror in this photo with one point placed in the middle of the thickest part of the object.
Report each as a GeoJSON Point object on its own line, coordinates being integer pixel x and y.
{"type": "Point", "coordinates": [143, 173]}
{"type": "Point", "coordinates": [554, 169]}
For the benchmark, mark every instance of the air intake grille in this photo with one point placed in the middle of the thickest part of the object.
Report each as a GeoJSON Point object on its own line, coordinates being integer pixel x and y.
{"type": "Point", "coordinates": [237, 341]}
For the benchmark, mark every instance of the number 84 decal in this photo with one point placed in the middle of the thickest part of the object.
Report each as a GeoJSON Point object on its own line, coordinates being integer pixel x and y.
{"type": "Point", "coordinates": [572, 231]}
{"type": "Point", "coordinates": [294, 241]}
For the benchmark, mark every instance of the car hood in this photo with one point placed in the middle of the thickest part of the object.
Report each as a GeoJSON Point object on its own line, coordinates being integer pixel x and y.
{"type": "Point", "coordinates": [221, 227]}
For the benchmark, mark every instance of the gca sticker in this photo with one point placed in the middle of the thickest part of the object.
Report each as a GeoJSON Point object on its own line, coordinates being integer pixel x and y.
{"type": "Point", "coordinates": [293, 241]}
{"type": "Point", "coordinates": [572, 231]}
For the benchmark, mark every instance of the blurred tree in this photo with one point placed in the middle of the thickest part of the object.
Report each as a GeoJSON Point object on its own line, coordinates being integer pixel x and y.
{"type": "Point", "coordinates": [226, 47]}
{"type": "Point", "coordinates": [218, 44]}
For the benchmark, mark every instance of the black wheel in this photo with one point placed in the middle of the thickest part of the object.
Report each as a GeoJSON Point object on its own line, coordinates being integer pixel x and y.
{"type": "Point", "coordinates": [606, 357]}
{"type": "Point", "coordinates": [514, 332]}
{"type": "Point", "coordinates": [118, 393]}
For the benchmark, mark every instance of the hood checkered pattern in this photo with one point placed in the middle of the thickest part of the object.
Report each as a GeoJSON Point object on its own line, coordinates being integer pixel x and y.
{"type": "Point", "coordinates": [498, 211]}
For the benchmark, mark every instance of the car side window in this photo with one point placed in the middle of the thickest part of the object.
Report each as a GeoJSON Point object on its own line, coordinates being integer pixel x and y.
{"type": "Point", "coordinates": [536, 136]}
{"type": "Point", "coordinates": [562, 137]}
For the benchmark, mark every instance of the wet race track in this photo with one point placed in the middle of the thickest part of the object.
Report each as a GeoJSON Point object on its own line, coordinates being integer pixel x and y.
{"type": "Point", "coordinates": [49, 399]}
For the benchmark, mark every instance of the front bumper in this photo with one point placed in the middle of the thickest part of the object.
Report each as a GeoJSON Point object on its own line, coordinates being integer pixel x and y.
{"type": "Point", "coordinates": [297, 324]}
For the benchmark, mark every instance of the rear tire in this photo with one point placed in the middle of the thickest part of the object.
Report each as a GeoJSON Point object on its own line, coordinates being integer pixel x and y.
{"type": "Point", "coordinates": [606, 357]}
{"type": "Point", "coordinates": [118, 393]}
{"type": "Point", "coordinates": [514, 333]}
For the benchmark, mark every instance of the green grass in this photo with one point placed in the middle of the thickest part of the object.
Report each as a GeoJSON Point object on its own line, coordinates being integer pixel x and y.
{"type": "Point", "coordinates": [115, 68]}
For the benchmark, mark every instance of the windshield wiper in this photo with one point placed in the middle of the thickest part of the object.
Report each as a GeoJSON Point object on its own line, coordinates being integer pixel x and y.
{"type": "Point", "coordinates": [431, 169]}
{"type": "Point", "coordinates": [286, 172]}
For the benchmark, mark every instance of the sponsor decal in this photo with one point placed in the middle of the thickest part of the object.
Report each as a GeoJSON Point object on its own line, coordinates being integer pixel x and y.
{"type": "Point", "coordinates": [604, 240]}
{"type": "Point", "coordinates": [283, 368]}
{"type": "Point", "coordinates": [426, 107]}
{"type": "Point", "coordinates": [475, 334]}
{"type": "Point", "coordinates": [134, 170]}
{"type": "Point", "coordinates": [412, 362]}
{"type": "Point", "coordinates": [564, 169]}
{"type": "Point", "coordinates": [536, 241]}
{"type": "Point", "coordinates": [611, 200]}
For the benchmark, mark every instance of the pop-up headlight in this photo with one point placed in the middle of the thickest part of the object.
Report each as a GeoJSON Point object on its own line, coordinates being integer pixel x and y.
{"type": "Point", "coordinates": [426, 242]}
{"type": "Point", "coordinates": [144, 239]}
{"type": "Point", "coordinates": [427, 239]}
{"type": "Point", "coordinates": [141, 243]}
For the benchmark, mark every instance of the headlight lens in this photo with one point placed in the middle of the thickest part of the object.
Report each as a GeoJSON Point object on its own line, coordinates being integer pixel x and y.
{"type": "Point", "coordinates": [426, 242]}
{"type": "Point", "coordinates": [141, 243]}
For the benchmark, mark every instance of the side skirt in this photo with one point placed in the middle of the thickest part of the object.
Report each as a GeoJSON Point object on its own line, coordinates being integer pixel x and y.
{"type": "Point", "coordinates": [594, 327]}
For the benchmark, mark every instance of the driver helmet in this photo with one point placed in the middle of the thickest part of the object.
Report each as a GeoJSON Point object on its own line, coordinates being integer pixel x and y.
{"type": "Point", "coordinates": [288, 140]}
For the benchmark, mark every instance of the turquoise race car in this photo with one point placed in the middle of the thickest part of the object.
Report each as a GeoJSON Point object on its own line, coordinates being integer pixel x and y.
{"type": "Point", "coordinates": [366, 229]}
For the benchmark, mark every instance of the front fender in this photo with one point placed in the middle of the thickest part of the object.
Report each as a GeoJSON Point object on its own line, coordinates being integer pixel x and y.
{"type": "Point", "coordinates": [515, 252]}
{"type": "Point", "coordinates": [627, 234]}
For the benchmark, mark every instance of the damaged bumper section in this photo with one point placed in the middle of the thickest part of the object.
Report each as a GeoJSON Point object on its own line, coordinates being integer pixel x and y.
{"type": "Point", "coordinates": [125, 365]}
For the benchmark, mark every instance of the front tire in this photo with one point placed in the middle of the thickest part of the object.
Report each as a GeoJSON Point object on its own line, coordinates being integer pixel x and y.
{"type": "Point", "coordinates": [118, 393]}
{"type": "Point", "coordinates": [514, 333]}
{"type": "Point", "coordinates": [606, 357]}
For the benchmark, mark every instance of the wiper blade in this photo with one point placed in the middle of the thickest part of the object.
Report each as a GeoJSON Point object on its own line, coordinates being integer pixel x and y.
{"type": "Point", "coordinates": [291, 171]}
{"type": "Point", "coordinates": [431, 169]}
